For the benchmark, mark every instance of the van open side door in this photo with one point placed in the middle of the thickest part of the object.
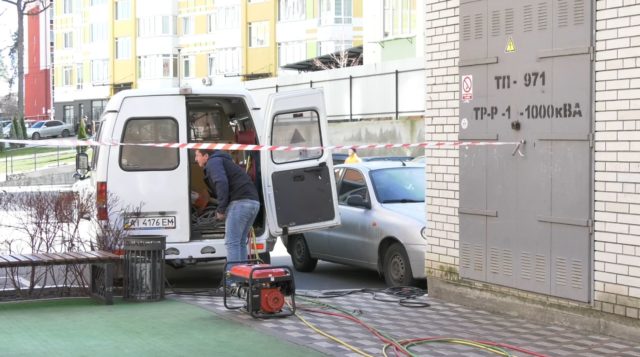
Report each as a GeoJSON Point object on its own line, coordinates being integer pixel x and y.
{"type": "Point", "coordinates": [299, 185]}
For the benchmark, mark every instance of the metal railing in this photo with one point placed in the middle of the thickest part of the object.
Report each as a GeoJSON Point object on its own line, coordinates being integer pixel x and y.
{"type": "Point", "coordinates": [15, 162]}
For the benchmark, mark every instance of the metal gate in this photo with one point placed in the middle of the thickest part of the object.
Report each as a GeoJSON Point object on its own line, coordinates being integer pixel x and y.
{"type": "Point", "coordinates": [525, 213]}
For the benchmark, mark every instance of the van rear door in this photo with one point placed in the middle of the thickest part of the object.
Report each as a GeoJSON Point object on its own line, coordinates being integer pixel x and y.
{"type": "Point", "coordinates": [152, 180]}
{"type": "Point", "coordinates": [300, 190]}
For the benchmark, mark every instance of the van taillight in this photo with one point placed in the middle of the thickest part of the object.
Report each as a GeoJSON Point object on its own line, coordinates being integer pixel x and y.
{"type": "Point", "coordinates": [101, 201]}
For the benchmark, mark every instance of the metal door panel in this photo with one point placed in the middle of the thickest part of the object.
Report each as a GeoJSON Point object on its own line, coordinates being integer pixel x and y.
{"type": "Point", "coordinates": [570, 261]}
{"type": "Point", "coordinates": [473, 248]}
{"type": "Point", "coordinates": [536, 72]}
{"type": "Point", "coordinates": [501, 190]}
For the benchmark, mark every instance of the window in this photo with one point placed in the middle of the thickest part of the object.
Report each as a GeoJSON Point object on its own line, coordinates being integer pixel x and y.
{"type": "Point", "coordinates": [187, 25]}
{"type": "Point", "coordinates": [97, 107]}
{"type": "Point", "coordinates": [259, 34]}
{"type": "Point", "coordinates": [336, 12]}
{"type": "Point", "coordinates": [68, 39]}
{"type": "Point", "coordinates": [353, 183]}
{"type": "Point", "coordinates": [155, 26]}
{"type": "Point", "coordinates": [67, 114]}
{"type": "Point", "coordinates": [99, 71]}
{"type": "Point", "coordinates": [291, 10]}
{"type": "Point", "coordinates": [326, 47]}
{"type": "Point", "coordinates": [187, 66]}
{"type": "Point", "coordinates": [123, 47]}
{"type": "Point", "coordinates": [400, 184]}
{"type": "Point", "coordinates": [123, 9]}
{"type": "Point", "coordinates": [79, 75]}
{"type": "Point", "coordinates": [211, 65]}
{"type": "Point", "coordinates": [227, 17]}
{"type": "Point", "coordinates": [98, 32]}
{"type": "Point", "coordinates": [291, 52]}
{"type": "Point", "coordinates": [157, 66]}
{"type": "Point", "coordinates": [143, 158]}
{"type": "Point", "coordinates": [296, 129]}
{"type": "Point", "coordinates": [67, 6]}
{"type": "Point", "coordinates": [227, 60]}
{"type": "Point", "coordinates": [399, 17]}
{"type": "Point", "coordinates": [66, 75]}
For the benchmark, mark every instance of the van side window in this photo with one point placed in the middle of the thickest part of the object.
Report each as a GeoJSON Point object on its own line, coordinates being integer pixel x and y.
{"type": "Point", "coordinates": [149, 130]}
{"type": "Point", "coordinates": [296, 129]}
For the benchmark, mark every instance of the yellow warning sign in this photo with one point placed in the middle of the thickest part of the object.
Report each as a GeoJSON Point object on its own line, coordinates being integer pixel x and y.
{"type": "Point", "coordinates": [511, 46]}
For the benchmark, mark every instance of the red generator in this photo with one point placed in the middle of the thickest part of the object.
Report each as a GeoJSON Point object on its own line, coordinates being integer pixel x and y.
{"type": "Point", "coordinates": [263, 287]}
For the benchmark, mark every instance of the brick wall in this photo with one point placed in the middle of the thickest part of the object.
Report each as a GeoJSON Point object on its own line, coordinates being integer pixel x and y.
{"type": "Point", "coordinates": [617, 157]}
{"type": "Point", "coordinates": [442, 52]}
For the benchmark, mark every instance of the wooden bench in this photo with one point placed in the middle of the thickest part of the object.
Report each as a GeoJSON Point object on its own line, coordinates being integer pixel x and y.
{"type": "Point", "coordinates": [101, 263]}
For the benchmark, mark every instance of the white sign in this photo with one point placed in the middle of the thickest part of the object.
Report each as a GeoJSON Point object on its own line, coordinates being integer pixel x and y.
{"type": "Point", "coordinates": [466, 88]}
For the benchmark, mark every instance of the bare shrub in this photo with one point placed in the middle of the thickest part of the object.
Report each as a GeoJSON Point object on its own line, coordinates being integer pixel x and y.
{"type": "Point", "coordinates": [56, 222]}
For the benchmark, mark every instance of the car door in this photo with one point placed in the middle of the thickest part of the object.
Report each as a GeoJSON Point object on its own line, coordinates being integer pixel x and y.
{"type": "Point", "coordinates": [299, 185]}
{"type": "Point", "coordinates": [46, 129]}
{"type": "Point", "coordinates": [355, 241]}
{"type": "Point", "coordinates": [152, 179]}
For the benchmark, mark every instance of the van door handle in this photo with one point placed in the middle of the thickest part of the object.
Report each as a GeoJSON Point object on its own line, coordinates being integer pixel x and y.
{"type": "Point", "coordinates": [298, 178]}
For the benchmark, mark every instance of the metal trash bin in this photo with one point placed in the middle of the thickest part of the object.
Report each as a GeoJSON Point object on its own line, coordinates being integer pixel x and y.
{"type": "Point", "coordinates": [144, 268]}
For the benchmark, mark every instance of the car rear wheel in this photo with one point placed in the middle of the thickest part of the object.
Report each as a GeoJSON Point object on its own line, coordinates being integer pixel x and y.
{"type": "Point", "coordinates": [65, 133]}
{"type": "Point", "coordinates": [397, 269]}
{"type": "Point", "coordinates": [35, 136]}
{"type": "Point", "coordinates": [300, 255]}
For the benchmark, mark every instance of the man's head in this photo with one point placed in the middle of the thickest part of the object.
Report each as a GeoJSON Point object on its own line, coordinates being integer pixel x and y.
{"type": "Point", "coordinates": [202, 156]}
{"type": "Point", "coordinates": [352, 151]}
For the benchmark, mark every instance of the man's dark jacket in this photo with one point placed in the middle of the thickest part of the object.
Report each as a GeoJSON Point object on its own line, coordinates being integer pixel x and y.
{"type": "Point", "coordinates": [229, 180]}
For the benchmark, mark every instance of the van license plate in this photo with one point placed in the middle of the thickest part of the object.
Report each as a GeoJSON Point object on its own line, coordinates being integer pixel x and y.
{"type": "Point", "coordinates": [151, 222]}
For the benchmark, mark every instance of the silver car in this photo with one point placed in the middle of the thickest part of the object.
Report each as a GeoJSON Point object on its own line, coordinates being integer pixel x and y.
{"type": "Point", "coordinates": [383, 228]}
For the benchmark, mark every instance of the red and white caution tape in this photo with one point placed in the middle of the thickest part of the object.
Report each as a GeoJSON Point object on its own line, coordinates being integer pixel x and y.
{"type": "Point", "coordinates": [247, 147]}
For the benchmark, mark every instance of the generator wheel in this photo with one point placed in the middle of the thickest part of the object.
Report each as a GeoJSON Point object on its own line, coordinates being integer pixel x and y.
{"type": "Point", "coordinates": [300, 255]}
{"type": "Point", "coordinates": [397, 269]}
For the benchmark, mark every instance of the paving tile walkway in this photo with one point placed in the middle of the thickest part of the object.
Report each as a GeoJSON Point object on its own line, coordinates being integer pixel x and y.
{"type": "Point", "coordinates": [440, 319]}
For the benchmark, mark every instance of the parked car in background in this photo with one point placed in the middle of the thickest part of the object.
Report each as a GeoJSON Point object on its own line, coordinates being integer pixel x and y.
{"type": "Point", "coordinates": [383, 228]}
{"type": "Point", "coordinates": [339, 158]}
{"type": "Point", "coordinates": [420, 159]}
{"type": "Point", "coordinates": [6, 128]}
{"type": "Point", "coordinates": [30, 122]}
{"type": "Point", "coordinates": [49, 128]}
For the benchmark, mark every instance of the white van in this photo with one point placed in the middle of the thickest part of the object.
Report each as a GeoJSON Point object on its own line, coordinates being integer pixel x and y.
{"type": "Point", "coordinates": [297, 186]}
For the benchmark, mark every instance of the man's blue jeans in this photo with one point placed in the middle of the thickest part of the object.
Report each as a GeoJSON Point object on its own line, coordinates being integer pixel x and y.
{"type": "Point", "coordinates": [240, 217]}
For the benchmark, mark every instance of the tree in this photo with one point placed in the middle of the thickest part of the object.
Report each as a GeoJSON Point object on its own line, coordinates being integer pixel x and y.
{"type": "Point", "coordinates": [338, 60]}
{"type": "Point", "coordinates": [82, 134]}
{"type": "Point", "coordinates": [23, 8]}
{"type": "Point", "coordinates": [9, 106]}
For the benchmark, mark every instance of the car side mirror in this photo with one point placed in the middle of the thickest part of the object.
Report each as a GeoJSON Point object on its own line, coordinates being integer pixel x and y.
{"type": "Point", "coordinates": [82, 165]}
{"type": "Point", "coordinates": [358, 201]}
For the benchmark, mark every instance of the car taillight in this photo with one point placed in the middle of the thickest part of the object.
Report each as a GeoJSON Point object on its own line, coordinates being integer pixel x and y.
{"type": "Point", "coordinates": [101, 201]}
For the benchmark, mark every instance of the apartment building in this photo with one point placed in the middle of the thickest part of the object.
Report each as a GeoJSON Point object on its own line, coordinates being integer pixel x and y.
{"type": "Point", "coordinates": [104, 46]}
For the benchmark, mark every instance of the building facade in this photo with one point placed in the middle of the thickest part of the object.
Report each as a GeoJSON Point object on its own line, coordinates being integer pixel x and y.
{"type": "Point", "coordinates": [104, 46]}
{"type": "Point", "coordinates": [596, 211]}
{"type": "Point", "coordinates": [37, 72]}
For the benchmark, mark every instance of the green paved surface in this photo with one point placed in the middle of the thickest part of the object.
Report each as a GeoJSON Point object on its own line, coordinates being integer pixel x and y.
{"type": "Point", "coordinates": [81, 327]}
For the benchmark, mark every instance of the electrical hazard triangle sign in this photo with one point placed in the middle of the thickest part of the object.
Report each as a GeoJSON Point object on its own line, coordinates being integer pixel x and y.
{"type": "Point", "coordinates": [511, 46]}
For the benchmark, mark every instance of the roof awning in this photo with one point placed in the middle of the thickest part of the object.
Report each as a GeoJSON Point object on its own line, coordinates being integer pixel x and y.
{"type": "Point", "coordinates": [353, 58]}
